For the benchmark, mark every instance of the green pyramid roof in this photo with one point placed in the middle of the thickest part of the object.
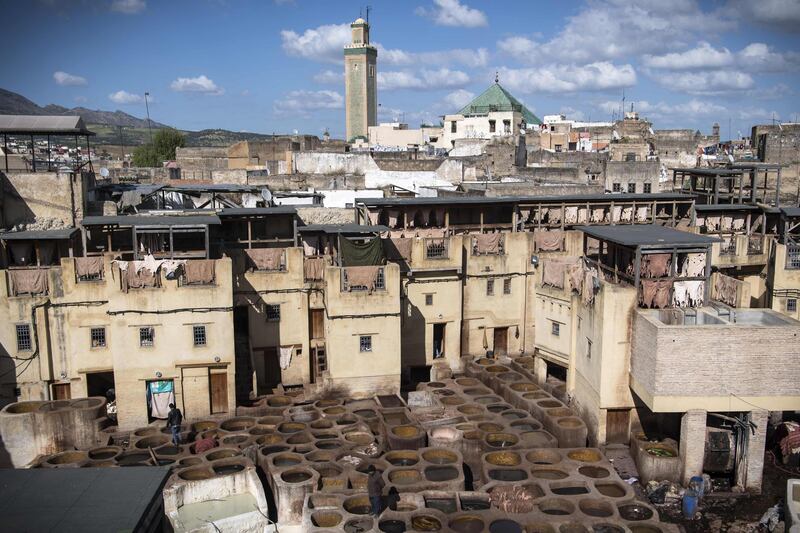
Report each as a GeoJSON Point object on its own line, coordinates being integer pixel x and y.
{"type": "Point", "coordinates": [495, 98]}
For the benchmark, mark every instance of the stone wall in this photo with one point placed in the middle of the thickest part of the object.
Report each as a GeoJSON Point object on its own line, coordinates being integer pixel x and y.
{"type": "Point", "coordinates": [638, 172]}
{"type": "Point", "coordinates": [51, 199]}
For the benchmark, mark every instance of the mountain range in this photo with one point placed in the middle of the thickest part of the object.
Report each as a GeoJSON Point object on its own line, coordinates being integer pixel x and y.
{"type": "Point", "coordinates": [106, 124]}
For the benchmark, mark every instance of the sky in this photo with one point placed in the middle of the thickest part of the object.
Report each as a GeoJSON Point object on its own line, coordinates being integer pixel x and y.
{"type": "Point", "coordinates": [277, 65]}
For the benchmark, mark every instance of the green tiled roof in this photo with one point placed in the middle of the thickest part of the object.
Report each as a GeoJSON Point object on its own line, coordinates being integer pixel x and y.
{"type": "Point", "coordinates": [495, 98]}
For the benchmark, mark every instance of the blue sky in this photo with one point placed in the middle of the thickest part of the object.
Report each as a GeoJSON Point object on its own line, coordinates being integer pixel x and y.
{"type": "Point", "coordinates": [267, 66]}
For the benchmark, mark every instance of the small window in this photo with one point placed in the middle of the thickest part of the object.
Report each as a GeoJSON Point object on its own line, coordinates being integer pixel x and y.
{"type": "Point", "coordinates": [506, 126]}
{"type": "Point", "coordinates": [489, 287]}
{"type": "Point", "coordinates": [791, 305]}
{"type": "Point", "coordinates": [617, 187]}
{"type": "Point", "coordinates": [492, 126]}
{"type": "Point", "coordinates": [365, 343]}
{"type": "Point", "coordinates": [429, 299]}
{"type": "Point", "coordinates": [588, 349]}
{"type": "Point", "coordinates": [648, 188]}
{"type": "Point", "coordinates": [24, 338]}
{"type": "Point", "coordinates": [507, 286]}
{"type": "Point", "coordinates": [372, 71]}
{"type": "Point", "coordinates": [199, 335]}
{"type": "Point", "coordinates": [273, 312]}
{"type": "Point", "coordinates": [632, 188]}
{"type": "Point", "coordinates": [453, 126]}
{"type": "Point", "coordinates": [147, 336]}
{"type": "Point", "coordinates": [98, 336]}
{"type": "Point", "coordinates": [555, 329]}
{"type": "Point", "coordinates": [558, 148]}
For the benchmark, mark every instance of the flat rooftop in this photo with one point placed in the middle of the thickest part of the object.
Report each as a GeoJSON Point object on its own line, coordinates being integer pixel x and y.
{"type": "Point", "coordinates": [39, 235]}
{"type": "Point", "coordinates": [351, 229]}
{"type": "Point", "coordinates": [151, 220]}
{"type": "Point", "coordinates": [567, 198]}
{"type": "Point", "coordinates": [646, 235]}
{"type": "Point", "coordinates": [84, 500]}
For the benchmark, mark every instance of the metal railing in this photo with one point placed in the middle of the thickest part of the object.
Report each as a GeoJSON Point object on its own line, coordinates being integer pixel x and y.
{"type": "Point", "coordinates": [436, 249]}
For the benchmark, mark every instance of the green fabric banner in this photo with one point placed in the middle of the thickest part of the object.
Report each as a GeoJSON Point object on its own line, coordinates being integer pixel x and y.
{"type": "Point", "coordinates": [368, 254]}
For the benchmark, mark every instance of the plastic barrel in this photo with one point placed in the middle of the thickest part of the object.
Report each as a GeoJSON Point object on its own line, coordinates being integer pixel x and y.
{"type": "Point", "coordinates": [697, 484]}
{"type": "Point", "coordinates": [689, 503]}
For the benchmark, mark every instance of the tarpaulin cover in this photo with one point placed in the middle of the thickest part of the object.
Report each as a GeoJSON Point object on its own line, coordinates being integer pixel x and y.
{"type": "Point", "coordinates": [199, 271]}
{"type": "Point", "coordinates": [313, 268]}
{"type": "Point", "coordinates": [264, 258]}
{"type": "Point", "coordinates": [88, 266]}
{"type": "Point", "coordinates": [398, 249]}
{"type": "Point", "coordinates": [488, 243]}
{"type": "Point", "coordinates": [366, 254]}
{"type": "Point", "coordinates": [33, 281]}
{"type": "Point", "coordinates": [362, 276]}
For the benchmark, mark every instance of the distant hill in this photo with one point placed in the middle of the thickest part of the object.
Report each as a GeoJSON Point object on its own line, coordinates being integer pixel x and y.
{"type": "Point", "coordinates": [12, 103]}
{"type": "Point", "coordinates": [105, 124]}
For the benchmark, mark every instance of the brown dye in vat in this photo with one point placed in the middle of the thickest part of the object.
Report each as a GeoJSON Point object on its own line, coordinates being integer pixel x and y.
{"type": "Point", "coordinates": [467, 524]}
{"type": "Point", "coordinates": [595, 472]}
{"type": "Point", "coordinates": [426, 523]}
{"type": "Point", "coordinates": [295, 476]}
{"type": "Point", "coordinates": [570, 490]}
{"type": "Point", "coordinates": [358, 525]}
{"type": "Point", "coordinates": [548, 474]}
{"type": "Point", "coordinates": [595, 508]}
{"type": "Point", "coordinates": [612, 490]}
{"type": "Point", "coordinates": [440, 473]}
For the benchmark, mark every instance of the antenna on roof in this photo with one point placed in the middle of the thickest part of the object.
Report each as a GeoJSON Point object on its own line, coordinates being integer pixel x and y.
{"type": "Point", "coordinates": [369, 8]}
{"type": "Point", "coordinates": [496, 77]}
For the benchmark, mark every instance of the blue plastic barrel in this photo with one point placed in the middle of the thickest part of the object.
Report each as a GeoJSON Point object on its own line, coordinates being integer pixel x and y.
{"type": "Point", "coordinates": [698, 485]}
{"type": "Point", "coordinates": [689, 503]}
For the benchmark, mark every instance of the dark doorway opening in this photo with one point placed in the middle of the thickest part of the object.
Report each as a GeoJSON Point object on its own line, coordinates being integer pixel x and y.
{"type": "Point", "coordinates": [500, 341]}
{"type": "Point", "coordinates": [438, 340]}
{"type": "Point", "coordinates": [268, 368]}
{"type": "Point", "coordinates": [241, 342]}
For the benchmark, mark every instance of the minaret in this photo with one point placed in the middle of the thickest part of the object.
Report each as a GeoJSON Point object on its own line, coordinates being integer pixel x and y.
{"type": "Point", "coordinates": [360, 82]}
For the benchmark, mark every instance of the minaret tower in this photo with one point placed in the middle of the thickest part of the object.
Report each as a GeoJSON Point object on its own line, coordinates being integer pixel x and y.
{"type": "Point", "coordinates": [361, 82]}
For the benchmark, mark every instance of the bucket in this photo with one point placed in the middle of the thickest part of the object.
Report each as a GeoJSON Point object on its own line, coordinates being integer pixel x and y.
{"type": "Point", "coordinates": [689, 504]}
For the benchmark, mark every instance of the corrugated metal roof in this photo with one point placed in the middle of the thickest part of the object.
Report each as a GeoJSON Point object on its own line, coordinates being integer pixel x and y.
{"type": "Point", "coordinates": [39, 235]}
{"type": "Point", "coordinates": [726, 207]}
{"type": "Point", "coordinates": [257, 211]}
{"type": "Point", "coordinates": [212, 187]}
{"type": "Point", "coordinates": [342, 228]}
{"type": "Point", "coordinates": [477, 200]}
{"type": "Point", "coordinates": [151, 220]}
{"type": "Point", "coordinates": [43, 125]}
{"type": "Point", "coordinates": [711, 172]}
{"type": "Point", "coordinates": [646, 235]}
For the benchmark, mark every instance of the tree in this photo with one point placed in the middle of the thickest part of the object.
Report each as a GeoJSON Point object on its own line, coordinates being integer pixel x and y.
{"type": "Point", "coordinates": [165, 142]}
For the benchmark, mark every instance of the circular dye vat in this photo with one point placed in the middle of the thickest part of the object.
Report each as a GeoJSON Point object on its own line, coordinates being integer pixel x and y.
{"type": "Point", "coordinates": [238, 424]}
{"type": "Point", "coordinates": [503, 458]}
{"type": "Point", "coordinates": [328, 444]}
{"type": "Point", "coordinates": [572, 528]}
{"type": "Point", "coordinates": [291, 427]}
{"type": "Point", "coordinates": [402, 458]}
{"type": "Point", "coordinates": [596, 508]}
{"type": "Point", "coordinates": [441, 473]}
{"type": "Point", "coordinates": [440, 457]}
{"type": "Point", "coordinates": [556, 507]}
{"type": "Point", "coordinates": [467, 382]}
{"type": "Point", "coordinates": [569, 490]}
{"type": "Point", "coordinates": [286, 459]}
{"type": "Point", "coordinates": [190, 461]}
{"type": "Point", "coordinates": [505, 525]}
{"type": "Point", "coordinates": [508, 475]}
{"type": "Point", "coordinates": [106, 452]}
{"type": "Point", "coordinates": [612, 490]}
{"type": "Point", "coordinates": [595, 472]}
{"type": "Point", "coordinates": [194, 474]}
{"type": "Point", "coordinates": [467, 524]}
{"type": "Point", "coordinates": [357, 505]}
{"type": "Point", "coordinates": [548, 473]}
{"type": "Point", "coordinates": [326, 519]}
{"type": "Point", "coordinates": [296, 476]}
{"type": "Point", "coordinates": [358, 525]}
{"type": "Point", "coordinates": [425, 523]}
{"type": "Point", "coordinates": [392, 526]}
{"type": "Point", "coordinates": [366, 413]}
{"type": "Point", "coordinates": [644, 528]}
{"type": "Point", "coordinates": [501, 440]}
{"type": "Point", "coordinates": [585, 455]}
{"type": "Point", "coordinates": [404, 477]}
{"type": "Point", "coordinates": [539, 527]}
{"type": "Point", "coordinates": [490, 426]}
{"type": "Point", "coordinates": [635, 512]}
{"type": "Point", "coordinates": [228, 468]}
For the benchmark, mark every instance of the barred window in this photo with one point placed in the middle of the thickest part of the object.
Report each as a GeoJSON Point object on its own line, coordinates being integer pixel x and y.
{"type": "Point", "coordinates": [147, 336]}
{"type": "Point", "coordinates": [507, 286]}
{"type": "Point", "coordinates": [429, 299]}
{"type": "Point", "coordinates": [199, 335]}
{"type": "Point", "coordinates": [98, 337]}
{"type": "Point", "coordinates": [648, 188]}
{"type": "Point", "coordinates": [616, 187]}
{"type": "Point", "coordinates": [793, 257]}
{"type": "Point", "coordinates": [436, 249]}
{"type": "Point", "coordinates": [791, 305]}
{"type": "Point", "coordinates": [555, 329]}
{"type": "Point", "coordinates": [489, 287]}
{"type": "Point", "coordinates": [24, 338]}
{"type": "Point", "coordinates": [273, 312]}
{"type": "Point", "coordinates": [632, 188]}
{"type": "Point", "coordinates": [365, 343]}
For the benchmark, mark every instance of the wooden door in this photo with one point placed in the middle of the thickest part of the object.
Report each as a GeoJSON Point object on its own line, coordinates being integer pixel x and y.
{"type": "Point", "coordinates": [62, 391]}
{"type": "Point", "coordinates": [617, 421]}
{"type": "Point", "coordinates": [218, 386]}
{"type": "Point", "coordinates": [500, 341]}
{"type": "Point", "coordinates": [317, 324]}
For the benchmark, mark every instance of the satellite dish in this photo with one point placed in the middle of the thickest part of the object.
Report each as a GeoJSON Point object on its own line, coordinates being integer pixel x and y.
{"type": "Point", "coordinates": [104, 172]}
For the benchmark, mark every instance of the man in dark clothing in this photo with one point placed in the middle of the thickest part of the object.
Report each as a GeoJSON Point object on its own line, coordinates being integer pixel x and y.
{"type": "Point", "coordinates": [375, 486]}
{"type": "Point", "coordinates": [174, 419]}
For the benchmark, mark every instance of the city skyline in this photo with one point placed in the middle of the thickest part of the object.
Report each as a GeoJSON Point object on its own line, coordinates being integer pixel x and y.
{"type": "Point", "coordinates": [278, 66]}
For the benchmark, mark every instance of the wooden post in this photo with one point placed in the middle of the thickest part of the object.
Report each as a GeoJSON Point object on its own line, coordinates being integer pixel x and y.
{"type": "Point", "coordinates": [481, 219]}
{"type": "Point", "coordinates": [135, 246]}
{"type": "Point", "coordinates": [171, 245]}
{"type": "Point", "coordinates": [83, 240]}
{"type": "Point", "coordinates": [249, 233]}
{"type": "Point", "coordinates": [109, 241]}
{"type": "Point", "coordinates": [637, 269]}
{"type": "Point", "coordinates": [778, 188]}
{"type": "Point", "coordinates": [207, 243]}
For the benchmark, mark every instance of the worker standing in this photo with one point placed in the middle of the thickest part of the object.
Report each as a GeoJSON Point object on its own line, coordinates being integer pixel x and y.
{"type": "Point", "coordinates": [375, 486]}
{"type": "Point", "coordinates": [174, 420]}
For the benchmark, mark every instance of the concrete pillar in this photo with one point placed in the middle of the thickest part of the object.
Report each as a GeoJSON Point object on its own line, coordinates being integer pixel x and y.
{"type": "Point", "coordinates": [754, 461]}
{"type": "Point", "coordinates": [540, 369]}
{"type": "Point", "coordinates": [693, 444]}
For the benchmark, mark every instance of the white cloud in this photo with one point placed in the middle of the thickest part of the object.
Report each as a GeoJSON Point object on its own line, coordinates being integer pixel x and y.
{"type": "Point", "coordinates": [199, 84]}
{"type": "Point", "coordinates": [326, 43]}
{"type": "Point", "coordinates": [458, 99]}
{"type": "Point", "coordinates": [66, 79]}
{"type": "Point", "coordinates": [758, 57]}
{"type": "Point", "coordinates": [443, 78]}
{"type": "Point", "coordinates": [453, 13]}
{"type": "Point", "coordinates": [128, 7]}
{"type": "Point", "coordinates": [124, 97]}
{"type": "Point", "coordinates": [620, 29]}
{"type": "Point", "coordinates": [323, 43]}
{"type": "Point", "coordinates": [783, 14]}
{"type": "Point", "coordinates": [598, 76]}
{"type": "Point", "coordinates": [302, 102]}
{"type": "Point", "coordinates": [702, 56]}
{"type": "Point", "coordinates": [329, 77]}
{"type": "Point", "coordinates": [711, 82]}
